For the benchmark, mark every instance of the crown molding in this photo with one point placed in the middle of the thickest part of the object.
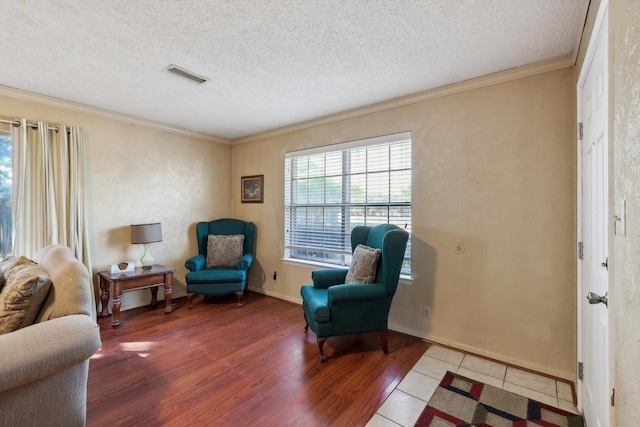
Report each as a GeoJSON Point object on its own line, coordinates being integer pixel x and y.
{"type": "Point", "coordinates": [106, 114]}
{"type": "Point", "coordinates": [467, 85]}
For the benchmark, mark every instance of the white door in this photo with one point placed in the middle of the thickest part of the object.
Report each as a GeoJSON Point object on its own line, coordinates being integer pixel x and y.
{"type": "Point", "coordinates": [594, 228]}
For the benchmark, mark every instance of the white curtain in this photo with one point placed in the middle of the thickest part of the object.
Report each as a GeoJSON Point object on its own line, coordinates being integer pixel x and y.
{"type": "Point", "coordinates": [49, 194]}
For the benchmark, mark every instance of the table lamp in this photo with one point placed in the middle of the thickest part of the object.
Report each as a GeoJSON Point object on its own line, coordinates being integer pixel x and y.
{"type": "Point", "coordinates": [146, 234]}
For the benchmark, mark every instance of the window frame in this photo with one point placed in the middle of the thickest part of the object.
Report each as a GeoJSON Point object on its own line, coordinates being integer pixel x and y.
{"type": "Point", "coordinates": [339, 248]}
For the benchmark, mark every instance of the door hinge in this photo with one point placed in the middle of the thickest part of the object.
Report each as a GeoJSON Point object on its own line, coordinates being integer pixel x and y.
{"type": "Point", "coordinates": [580, 250]}
{"type": "Point", "coordinates": [580, 131]}
{"type": "Point", "coordinates": [580, 370]}
{"type": "Point", "coordinates": [613, 397]}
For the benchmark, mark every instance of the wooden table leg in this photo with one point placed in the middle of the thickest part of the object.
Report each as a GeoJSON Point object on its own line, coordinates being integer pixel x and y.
{"type": "Point", "coordinates": [104, 297]}
{"type": "Point", "coordinates": [168, 289]}
{"type": "Point", "coordinates": [154, 296]}
{"type": "Point", "coordinates": [116, 294]}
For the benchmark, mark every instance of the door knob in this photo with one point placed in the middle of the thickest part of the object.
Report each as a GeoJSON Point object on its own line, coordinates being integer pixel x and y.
{"type": "Point", "coordinates": [605, 264]}
{"type": "Point", "coordinates": [596, 299]}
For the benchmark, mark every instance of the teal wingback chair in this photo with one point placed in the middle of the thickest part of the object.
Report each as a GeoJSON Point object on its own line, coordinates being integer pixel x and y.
{"type": "Point", "coordinates": [333, 308]}
{"type": "Point", "coordinates": [219, 281]}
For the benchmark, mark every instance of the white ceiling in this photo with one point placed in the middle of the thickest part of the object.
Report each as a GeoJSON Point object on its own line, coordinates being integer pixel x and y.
{"type": "Point", "coordinates": [270, 63]}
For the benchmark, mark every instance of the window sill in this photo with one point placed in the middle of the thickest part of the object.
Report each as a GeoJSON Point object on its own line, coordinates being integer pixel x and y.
{"type": "Point", "coordinates": [404, 278]}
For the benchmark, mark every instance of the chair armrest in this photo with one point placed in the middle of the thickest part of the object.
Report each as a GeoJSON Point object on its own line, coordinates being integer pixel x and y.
{"type": "Point", "coordinates": [195, 263]}
{"type": "Point", "coordinates": [245, 262]}
{"type": "Point", "coordinates": [322, 279]}
{"type": "Point", "coordinates": [46, 348]}
{"type": "Point", "coordinates": [356, 292]}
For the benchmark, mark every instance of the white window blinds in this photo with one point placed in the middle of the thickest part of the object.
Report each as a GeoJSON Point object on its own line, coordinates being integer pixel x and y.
{"type": "Point", "coordinates": [331, 189]}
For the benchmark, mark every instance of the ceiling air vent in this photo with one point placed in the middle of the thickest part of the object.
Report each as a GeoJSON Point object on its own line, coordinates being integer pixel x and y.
{"type": "Point", "coordinates": [181, 72]}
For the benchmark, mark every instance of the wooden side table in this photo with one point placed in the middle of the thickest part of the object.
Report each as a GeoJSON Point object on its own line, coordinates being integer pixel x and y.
{"type": "Point", "coordinates": [117, 283]}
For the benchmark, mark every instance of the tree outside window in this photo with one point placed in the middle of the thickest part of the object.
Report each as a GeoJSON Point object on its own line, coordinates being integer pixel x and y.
{"type": "Point", "coordinates": [6, 193]}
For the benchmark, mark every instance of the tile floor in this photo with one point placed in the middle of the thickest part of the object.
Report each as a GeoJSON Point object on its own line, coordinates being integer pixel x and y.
{"type": "Point", "coordinates": [405, 404]}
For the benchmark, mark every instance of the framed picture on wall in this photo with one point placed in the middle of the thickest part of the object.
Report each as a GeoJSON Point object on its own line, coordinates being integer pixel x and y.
{"type": "Point", "coordinates": [252, 189]}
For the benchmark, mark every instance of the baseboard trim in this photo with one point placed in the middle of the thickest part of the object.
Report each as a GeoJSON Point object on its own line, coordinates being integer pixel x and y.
{"type": "Point", "coordinates": [275, 295]}
{"type": "Point", "coordinates": [554, 373]}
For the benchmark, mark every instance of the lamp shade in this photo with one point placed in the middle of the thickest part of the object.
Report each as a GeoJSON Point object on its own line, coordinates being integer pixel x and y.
{"type": "Point", "coordinates": [146, 233]}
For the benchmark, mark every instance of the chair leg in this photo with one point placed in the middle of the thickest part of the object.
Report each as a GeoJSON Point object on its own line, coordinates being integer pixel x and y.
{"type": "Point", "coordinates": [383, 338]}
{"type": "Point", "coordinates": [306, 322]}
{"type": "Point", "coordinates": [320, 346]}
{"type": "Point", "coordinates": [240, 302]}
{"type": "Point", "coordinates": [189, 300]}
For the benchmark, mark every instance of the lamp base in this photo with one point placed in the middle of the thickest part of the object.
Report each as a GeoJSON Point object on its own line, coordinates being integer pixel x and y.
{"type": "Point", "coordinates": [147, 259]}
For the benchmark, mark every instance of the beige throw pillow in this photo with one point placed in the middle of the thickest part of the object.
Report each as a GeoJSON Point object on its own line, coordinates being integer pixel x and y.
{"type": "Point", "coordinates": [26, 288]}
{"type": "Point", "coordinates": [5, 264]}
{"type": "Point", "coordinates": [224, 251]}
{"type": "Point", "coordinates": [364, 265]}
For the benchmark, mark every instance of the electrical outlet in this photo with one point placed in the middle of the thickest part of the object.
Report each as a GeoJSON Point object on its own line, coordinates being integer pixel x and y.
{"type": "Point", "coordinates": [426, 313]}
{"type": "Point", "coordinates": [262, 276]}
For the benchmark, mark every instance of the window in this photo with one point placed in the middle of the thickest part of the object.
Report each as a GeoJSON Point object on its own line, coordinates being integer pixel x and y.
{"type": "Point", "coordinates": [6, 183]}
{"type": "Point", "coordinates": [329, 190]}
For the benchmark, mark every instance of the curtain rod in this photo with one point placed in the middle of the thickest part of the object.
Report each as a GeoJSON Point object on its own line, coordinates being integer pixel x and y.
{"type": "Point", "coordinates": [31, 125]}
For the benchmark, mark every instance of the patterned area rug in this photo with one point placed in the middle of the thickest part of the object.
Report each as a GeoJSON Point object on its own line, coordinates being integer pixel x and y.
{"type": "Point", "coordinates": [461, 402]}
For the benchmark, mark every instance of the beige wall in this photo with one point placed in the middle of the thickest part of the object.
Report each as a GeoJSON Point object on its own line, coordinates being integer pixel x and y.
{"type": "Point", "coordinates": [494, 169]}
{"type": "Point", "coordinates": [624, 313]}
{"type": "Point", "coordinates": [141, 174]}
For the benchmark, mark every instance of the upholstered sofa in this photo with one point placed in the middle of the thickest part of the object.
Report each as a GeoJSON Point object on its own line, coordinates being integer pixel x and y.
{"type": "Point", "coordinates": [44, 365]}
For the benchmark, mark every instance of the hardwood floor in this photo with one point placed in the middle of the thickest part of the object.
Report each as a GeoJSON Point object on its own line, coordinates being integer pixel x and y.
{"type": "Point", "coordinates": [220, 365]}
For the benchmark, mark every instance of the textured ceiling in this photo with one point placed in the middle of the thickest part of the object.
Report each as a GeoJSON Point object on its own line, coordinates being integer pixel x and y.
{"type": "Point", "coordinates": [270, 63]}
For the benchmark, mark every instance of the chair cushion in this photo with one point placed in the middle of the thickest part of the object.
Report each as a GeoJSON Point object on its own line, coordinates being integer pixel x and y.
{"type": "Point", "coordinates": [316, 300]}
{"type": "Point", "coordinates": [216, 275]}
{"type": "Point", "coordinates": [364, 265]}
{"type": "Point", "coordinates": [25, 289]}
{"type": "Point", "coordinates": [223, 250]}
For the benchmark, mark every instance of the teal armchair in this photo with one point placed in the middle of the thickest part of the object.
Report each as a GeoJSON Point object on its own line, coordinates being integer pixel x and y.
{"type": "Point", "coordinates": [220, 280]}
{"type": "Point", "coordinates": [333, 308]}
